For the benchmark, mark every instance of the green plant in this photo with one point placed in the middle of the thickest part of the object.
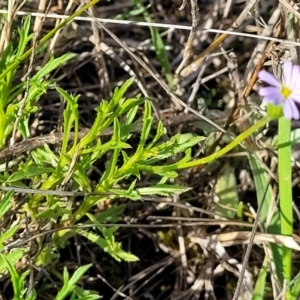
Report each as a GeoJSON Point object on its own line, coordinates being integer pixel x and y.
{"type": "Point", "coordinates": [130, 146]}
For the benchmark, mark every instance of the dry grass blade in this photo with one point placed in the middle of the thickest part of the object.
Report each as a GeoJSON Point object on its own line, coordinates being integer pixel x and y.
{"type": "Point", "coordinates": [240, 237]}
{"type": "Point", "coordinates": [194, 66]}
{"type": "Point", "coordinates": [188, 51]}
{"type": "Point", "coordinates": [27, 77]}
{"type": "Point", "coordinates": [212, 244]}
{"type": "Point", "coordinates": [7, 28]}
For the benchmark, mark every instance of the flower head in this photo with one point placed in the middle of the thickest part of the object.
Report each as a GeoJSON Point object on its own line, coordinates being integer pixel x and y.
{"type": "Point", "coordinates": [285, 92]}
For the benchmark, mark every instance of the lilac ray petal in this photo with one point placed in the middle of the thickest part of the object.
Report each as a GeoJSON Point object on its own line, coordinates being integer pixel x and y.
{"type": "Point", "coordinates": [287, 110]}
{"type": "Point", "coordinates": [272, 95]}
{"type": "Point", "coordinates": [296, 114]}
{"type": "Point", "coordinates": [296, 89]}
{"type": "Point", "coordinates": [295, 78]}
{"type": "Point", "coordinates": [295, 97]}
{"type": "Point", "coordinates": [294, 109]}
{"type": "Point", "coordinates": [268, 78]}
{"type": "Point", "coordinates": [276, 99]}
{"type": "Point", "coordinates": [269, 90]}
{"type": "Point", "coordinates": [287, 72]}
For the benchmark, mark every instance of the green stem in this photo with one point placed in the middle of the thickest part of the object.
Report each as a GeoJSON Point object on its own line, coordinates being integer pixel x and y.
{"type": "Point", "coordinates": [239, 139]}
{"type": "Point", "coordinates": [285, 190]}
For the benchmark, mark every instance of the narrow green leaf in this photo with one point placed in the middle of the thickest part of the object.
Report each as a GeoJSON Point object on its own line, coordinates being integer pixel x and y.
{"type": "Point", "coordinates": [7, 234]}
{"type": "Point", "coordinates": [117, 131]}
{"type": "Point", "coordinates": [83, 294]}
{"type": "Point", "coordinates": [158, 135]}
{"type": "Point", "coordinates": [66, 289]}
{"type": "Point", "coordinates": [295, 137]}
{"type": "Point", "coordinates": [110, 169]}
{"type": "Point", "coordinates": [264, 196]}
{"type": "Point", "coordinates": [51, 65]}
{"type": "Point", "coordinates": [100, 124]}
{"type": "Point", "coordinates": [163, 189]}
{"type": "Point", "coordinates": [295, 292]}
{"type": "Point", "coordinates": [147, 122]}
{"type": "Point", "coordinates": [29, 172]}
{"type": "Point", "coordinates": [4, 59]}
{"type": "Point", "coordinates": [66, 275]}
{"type": "Point", "coordinates": [15, 279]}
{"type": "Point", "coordinates": [131, 187]}
{"type": "Point", "coordinates": [5, 204]}
{"type": "Point", "coordinates": [133, 195]}
{"type": "Point", "coordinates": [105, 147]}
{"type": "Point", "coordinates": [122, 255]}
{"type": "Point", "coordinates": [226, 194]}
{"type": "Point", "coordinates": [119, 92]}
{"type": "Point", "coordinates": [71, 119]}
{"type": "Point", "coordinates": [110, 215]}
{"type": "Point", "coordinates": [13, 257]}
{"type": "Point", "coordinates": [81, 178]}
{"type": "Point", "coordinates": [78, 274]}
{"type": "Point", "coordinates": [168, 149]}
{"type": "Point", "coordinates": [24, 36]}
{"type": "Point", "coordinates": [260, 286]}
{"type": "Point", "coordinates": [131, 115]}
{"type": "Point", "coordinates": [108, 245]}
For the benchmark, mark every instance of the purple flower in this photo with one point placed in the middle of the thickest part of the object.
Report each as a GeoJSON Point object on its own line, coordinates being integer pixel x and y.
{"type": "Point", "coordinates": [285, 92]}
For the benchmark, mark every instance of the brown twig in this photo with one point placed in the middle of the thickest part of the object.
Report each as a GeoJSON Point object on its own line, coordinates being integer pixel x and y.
{"type": "Point", "coordinates": [56, 138]}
